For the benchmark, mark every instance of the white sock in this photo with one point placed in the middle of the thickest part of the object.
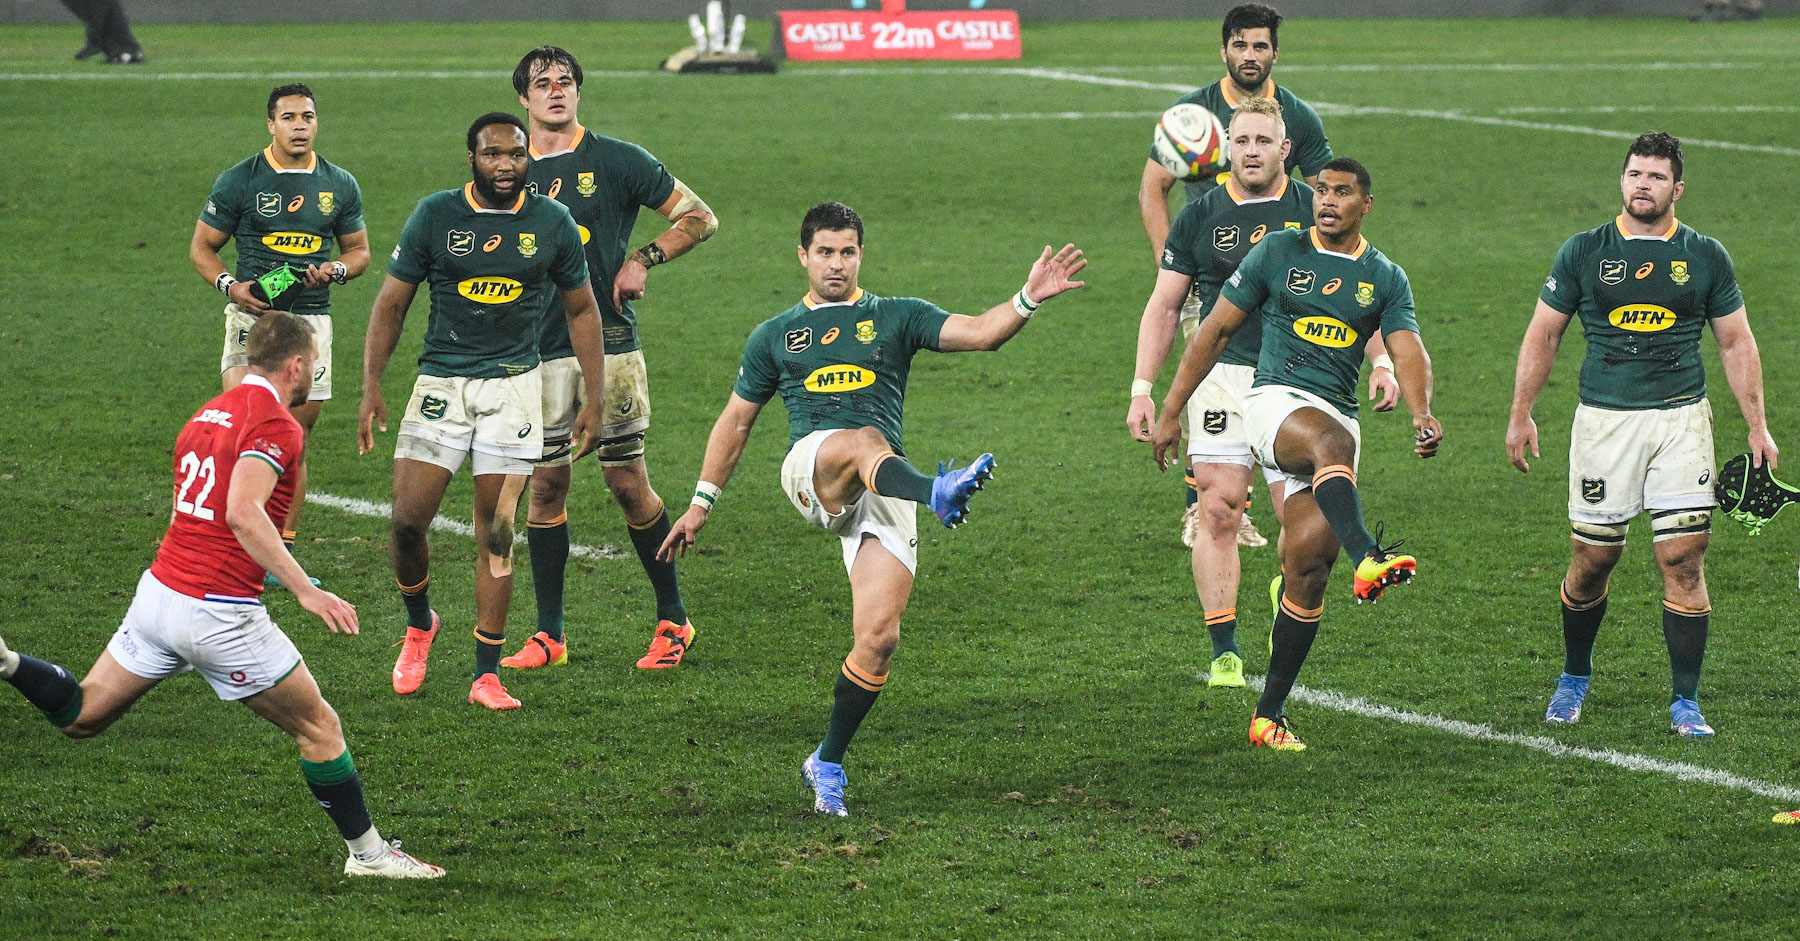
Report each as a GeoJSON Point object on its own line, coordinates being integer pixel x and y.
{"type": "Point", "coordinates": [368, 846]}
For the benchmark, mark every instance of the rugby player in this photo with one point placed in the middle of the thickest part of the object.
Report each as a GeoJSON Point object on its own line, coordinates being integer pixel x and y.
{"type": "Point", "coordinates": [1210, 238]}
{"type": "Point", "coordinates": [285, 205]}
{"type": "Point", "coordinates": [602, 182]}
{"type": "Point", "coordinates": [1317, 292]}
{"type": "Point", "coordinates": [1249, 46]}
{"type": "Point", "coordinates": [498, 260]}
{"type": "Point", "coordinates": [1643, 286]}
{"type": "Point", "coordinates": [840, 359]}
{"type": "Point", "coordinates": [236, 467]}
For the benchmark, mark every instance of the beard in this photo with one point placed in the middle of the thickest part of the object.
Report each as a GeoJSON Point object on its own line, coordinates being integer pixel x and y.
{"type": "Point", "coordinates": [1237, 77]}
{"type": "Point", "coordinates": [1660, 210]}
{"type": "Point", "coordinates": [484, 185]}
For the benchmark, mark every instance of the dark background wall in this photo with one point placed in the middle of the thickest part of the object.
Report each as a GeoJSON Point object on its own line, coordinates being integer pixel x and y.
{"type": "Point", "coordinates": [240, 11]}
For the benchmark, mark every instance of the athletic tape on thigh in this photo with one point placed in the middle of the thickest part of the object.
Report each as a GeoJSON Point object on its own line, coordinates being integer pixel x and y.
{"type": "Point", "coordinates": [1599, 534]}
{"type": "Point", "coordinates": [1673, 524]}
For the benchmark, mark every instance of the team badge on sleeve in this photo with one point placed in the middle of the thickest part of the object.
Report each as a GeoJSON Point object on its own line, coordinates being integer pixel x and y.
{"type": "Point", "coordinates": [462, 242]}
{"type": "Point", "coordinates": [268, 204]}
{"type": "Point", "coordinates": [1300, 282]}
{"type": "Point", "coordinates": [584, 184]}
{"type": "Point", "coordinates": [1612, 270]}
{"type": "Point", "coordinates": [1678, 272]}
{"type": "Point", "coordinates": [527, 244]}
{"type": "Point", "coordinates": [327, 202]}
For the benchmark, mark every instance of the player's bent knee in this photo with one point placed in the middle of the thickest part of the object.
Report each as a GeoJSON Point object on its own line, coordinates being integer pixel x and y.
{"type": "Point", "coordinates": [409, 537]}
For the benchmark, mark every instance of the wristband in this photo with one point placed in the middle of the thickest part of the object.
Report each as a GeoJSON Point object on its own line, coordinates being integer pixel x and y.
{"type": "Point", "coordinates": [650, 255]}
{"type": "Point", "coordinates": [1024, 305]}
{"type": "Point", "coordinates": [1382, 361]}
{"type": "Point", "coordinates": [1141, 387]}
{"type": "Point", "coordinates": [705, 495]}
{"type": "Point", "coordinates": [224, 282]}
{"type": "Point", "coordinates": [340, 272]}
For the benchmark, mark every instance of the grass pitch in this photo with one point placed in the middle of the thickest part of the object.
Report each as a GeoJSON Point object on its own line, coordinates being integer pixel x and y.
{"type": "Point", "coordinates": [1044, 763]}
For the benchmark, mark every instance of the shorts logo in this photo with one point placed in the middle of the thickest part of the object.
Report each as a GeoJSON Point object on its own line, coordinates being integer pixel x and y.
{"type": "Point", "coordinates": [584, 184]}
{"type": "Point", "coordinates": [239, 677]}
{"type": "Point", "coordinates": [293, 243]}
{"type": "Point", "coordinates": [865, 331]}
{"type": "Point", "coordinates": [1593, 489]}
{"type": "Point", "coordinates": [1332, 286]}
{"type": "Point", "coordinates": [1225, 238]}
{"type": "Point", "coordinates": [827, 380]}
{"type": "Point", "coordinates": [1644, 270]}
{"type": "Point", "coordinates": [491, 290]}
{"type": "Point", "coordinates": [1213, 422]}
{"type": "Point", "coordinates": [1678, 272]}
{"type": "Point", "coordinates": [433, 407]}
{"type": "Point", "coordinates": [1704, 477]}
{"type": "Point", "coordinates": [1299, 282]}
{"type": "Point", "coordinates": [829, 336]}
{"type": "Point", "coordinates": [525, 430]}
{"type": "Point", "coordinates": [327, 202]}
{"type": "Point", "coordinates": [1256, 234]}
{"type": "Point", "coordinates": [461, 242]}
{"type": "Point", "coordinates": [1325, 331]}
{"type": "Point", "coordinates": [799, 340]}
{"type": "Point", "coordinates": [319, 374]}
{"type": "Point", "coordinates": [1642, 318]}
{"type": "Point", "coordinates": [625, 406]}
{"type": "Point", "coordinates": [1612, 270]}
{"type": "Point", "coordinates": [527, 244]}
{"type": "Point", "coordinates": [492, 243]}
{"type": "Point", "coordinates": [801, 496]}
{"type": "Point", "coordinates": [1365, 293]}
{"type": "Point", "coordinates": [268, 204]}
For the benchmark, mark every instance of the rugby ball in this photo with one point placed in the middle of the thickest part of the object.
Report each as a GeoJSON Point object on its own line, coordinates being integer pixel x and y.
{"type": "Point", "coordinates": [1190, 143]}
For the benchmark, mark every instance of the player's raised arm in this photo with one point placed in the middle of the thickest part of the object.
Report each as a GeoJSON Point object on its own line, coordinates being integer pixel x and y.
{"type": "Point", "coordinates": [385, 322]}
{"type": "Point", "coordinates": [1156, 336]}
{"type": "Point", "coordinates": [1050, 275]}
{"type": "Point", "coordinates": [203, 251]}
{"type": "Point", "coordinates": [1412, 367]}
{"type": "Point", "coordinates": [691, 222]}
{"type": "Point", "coordinates": [584, 335]}
{"type": "Point", "coordinates": [724, 447]}
{"type": "Point", "coordinates": [1153, 204]}
{"type": "Point", "coordinates": [1743, 371]}
{"type": "Point", "coordinates": [1198, 359]}
{"type": "Point", "coordinates": [1536, 355]}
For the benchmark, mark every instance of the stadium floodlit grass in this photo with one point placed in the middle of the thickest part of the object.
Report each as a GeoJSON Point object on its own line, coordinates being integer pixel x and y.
{"type": "Point", "coordinates": [1044, 762]}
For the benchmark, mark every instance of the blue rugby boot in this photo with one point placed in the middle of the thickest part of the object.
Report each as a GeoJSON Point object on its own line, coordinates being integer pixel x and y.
{"type": "Point", "coordinates": [954, 486]}
{"type": "Point", "coordinates": [1686, 721]}
{"type": "Point", "coordinates": [827, 783]}
{"type": "Point", "coordinates": [1565, 705]}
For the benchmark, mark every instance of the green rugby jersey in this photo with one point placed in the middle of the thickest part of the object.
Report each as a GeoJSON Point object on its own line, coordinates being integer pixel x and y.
{"type": "Point", "coordinates": [1642, 300]}
{"type": "Point", "coordinates": [1311, 151]}
{"type": "Point", "coordinates": [1212, 235]}
{"type": "Point", "coordinates": [1317, 309]}
{"type": "Point", "coordinates": [840, 365]}
{"type": "Point", "coordinates": [291, 216]}
{"type": "Point", "coordinates": [603, 182]}
{"type": "Point", "coordinates": [494, 275]}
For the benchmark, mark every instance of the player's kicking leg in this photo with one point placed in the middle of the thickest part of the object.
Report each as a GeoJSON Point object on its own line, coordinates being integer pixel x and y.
{"type": "Point", "coordinates": [1313, 443]}
{"type": "Point", "coordinates": [418, 490]}
{"type": "Point", "coordinates": [1221, 487]}
{"type": "Point", "coordinates": [1686, 613]}
{"type": "Point", "coordinates": [1309, 547]}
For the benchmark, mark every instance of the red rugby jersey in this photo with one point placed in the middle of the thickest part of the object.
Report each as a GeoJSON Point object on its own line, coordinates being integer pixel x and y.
{"type": "Point", "coordinates": [199, 555]}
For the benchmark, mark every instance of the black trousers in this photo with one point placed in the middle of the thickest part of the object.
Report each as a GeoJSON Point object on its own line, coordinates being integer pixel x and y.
{"type": "Point", "coordinates": [107, 29]}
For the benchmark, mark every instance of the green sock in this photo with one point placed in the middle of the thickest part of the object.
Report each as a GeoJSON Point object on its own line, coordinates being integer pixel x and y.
{"type": "Point", "coordinates": [548, 544]}
{"type": "Point", "coordinates": [1291, 640]}
{"type": "Point", "coordinates": [894, 477]}
{"type": "Point", "coordinates": [487, 652]}
{"type": "Point", "coordinates": [418, 605]}
{"type": "Point", "coordinates": [338, 790]}
{"type": "Point", "coordinates": [1222, 625]}
{"type": "Point", "coordinates": [1581, 624]}
{"type": "Point", "coordinates": [852, 698]}
{"type": "Point", "coordinates": [1342, 506]}
{"type": "Point", "coordinates": [646, 541]}
{"type": "Point", "coordinates": [1685, 633]}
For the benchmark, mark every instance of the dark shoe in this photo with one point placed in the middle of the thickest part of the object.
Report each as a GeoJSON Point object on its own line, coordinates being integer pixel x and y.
{"type": "Point", "coordinates": [135, 57]}
{"type": "Point", "coordinates": [87, 52]}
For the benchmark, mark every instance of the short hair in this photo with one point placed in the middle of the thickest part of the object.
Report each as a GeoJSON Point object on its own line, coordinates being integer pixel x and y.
{"type": "Point", "coordinates": [1264, 106]}
{"type": "Point", "coordinates": [541, 58]}
{"type": "Point", "coordinates": [1351, 165]}
{"type": "Point", "coordinates": [1656, 144]}
{"type": "Point", "coordinates": [1251, 16]}
{"type": "Point", "coordinates": [282, 91]}
{"type": "Point", "coordinates": [492, 118]}
{"type": "Point", "coordinates": [829, 216]}
{"type": "Point", "coordinates": [276, 337]}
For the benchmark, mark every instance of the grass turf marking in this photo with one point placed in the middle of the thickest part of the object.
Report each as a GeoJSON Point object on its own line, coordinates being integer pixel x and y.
{"type": "Point", "coordinates": [444, 524]}
{"type": "Point", "coordinates": [1356, 705]}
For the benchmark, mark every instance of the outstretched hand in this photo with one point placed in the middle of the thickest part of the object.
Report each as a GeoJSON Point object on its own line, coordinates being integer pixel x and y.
{"type": "Point", "coordinates": [681, 535]}
{"type": "Point", "coordinates": [1050, 274]}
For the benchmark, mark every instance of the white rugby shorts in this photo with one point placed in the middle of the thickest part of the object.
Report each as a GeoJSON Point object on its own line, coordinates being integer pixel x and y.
{"type": "Point", "coordinates": [891, 520]}
{"type": "Point", "coordinates": [229, 641]}
{"type": "Point", "coordinates": [1622, 463]}
{"type": "Point", "coordinates": [1267, 407]}
{"type": "Point", "coordinates": [499, 419]}
{"type": "Point", "coordinates": [237, 328]}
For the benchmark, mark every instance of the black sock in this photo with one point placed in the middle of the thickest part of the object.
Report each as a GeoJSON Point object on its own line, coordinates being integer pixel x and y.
{"type": "Point", "coordinates": [418, 604]}
{"type": "Point", "coordinates": [1293, 636]}
{"type": "Point", "coordinates": [487, 652]}
{"type": "Point", "coordinates": [894, 477]}
{"type": "Point", "coordinates": [1581, 624]}
{"type": "Point", "coordinates": [337, 787]}
{"type": "Point", "coordinates": [852, 698]}
{"type": "Point", "coordinates": [548, 544]}
{"type": "Point", "coordinates": [1685, 632]}
{"type": "Point", "coordinates": [646, 540]}
{"type": "Point", "coordinates": [1334, 489]}
{"type": "Point", "coordinates": [1222, 625]}
{"type": "Point", "coordinates": [53, 690]}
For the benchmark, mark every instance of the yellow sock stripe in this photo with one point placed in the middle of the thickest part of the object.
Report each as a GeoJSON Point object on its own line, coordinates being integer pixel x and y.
{"type": "Point", "coordinates": [485, 637]}
{"type": "Point", "coordinates": [413, 589]}
{"type": "Point", "coordinates": [560, 519]}
{"type": "Point", "coordinates": [867, 681]}
{"type": "Point", "coordinates": [1298, 613]}
{"type": "Point", "coordinates": [1690, 612]}
{"type": "Point", "coordinates": [1333, 472]}
{"type": "Point", "coordinates": [1574, 605]}
{"type": "Point", "coordinates": [873, 467]}
{"type": "Point", "coordinates": [649, 522]}
{"type": "Point", "coordinates": [1220, 617]}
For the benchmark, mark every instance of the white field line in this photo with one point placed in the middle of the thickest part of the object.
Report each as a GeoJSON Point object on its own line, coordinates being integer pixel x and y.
{"type": "Point", "coordinates": [444, 524]}
{"type": "Point", "coordinates": [1655, 109]}
{"type": "Point", "coordinates": [1051, 115]}
{"type": "Point", "coordinates": [1355, 705]}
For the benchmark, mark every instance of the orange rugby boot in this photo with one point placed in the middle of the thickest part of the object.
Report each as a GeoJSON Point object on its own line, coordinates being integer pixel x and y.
{"type": "Point", "coordinates": [488, 692]}
{"type": "Point", "coordinates": [667, 646]}
{"type": "Point", "coordinates": [539, 651]}
{"type": "Point", "coordinates": [409, 670]}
